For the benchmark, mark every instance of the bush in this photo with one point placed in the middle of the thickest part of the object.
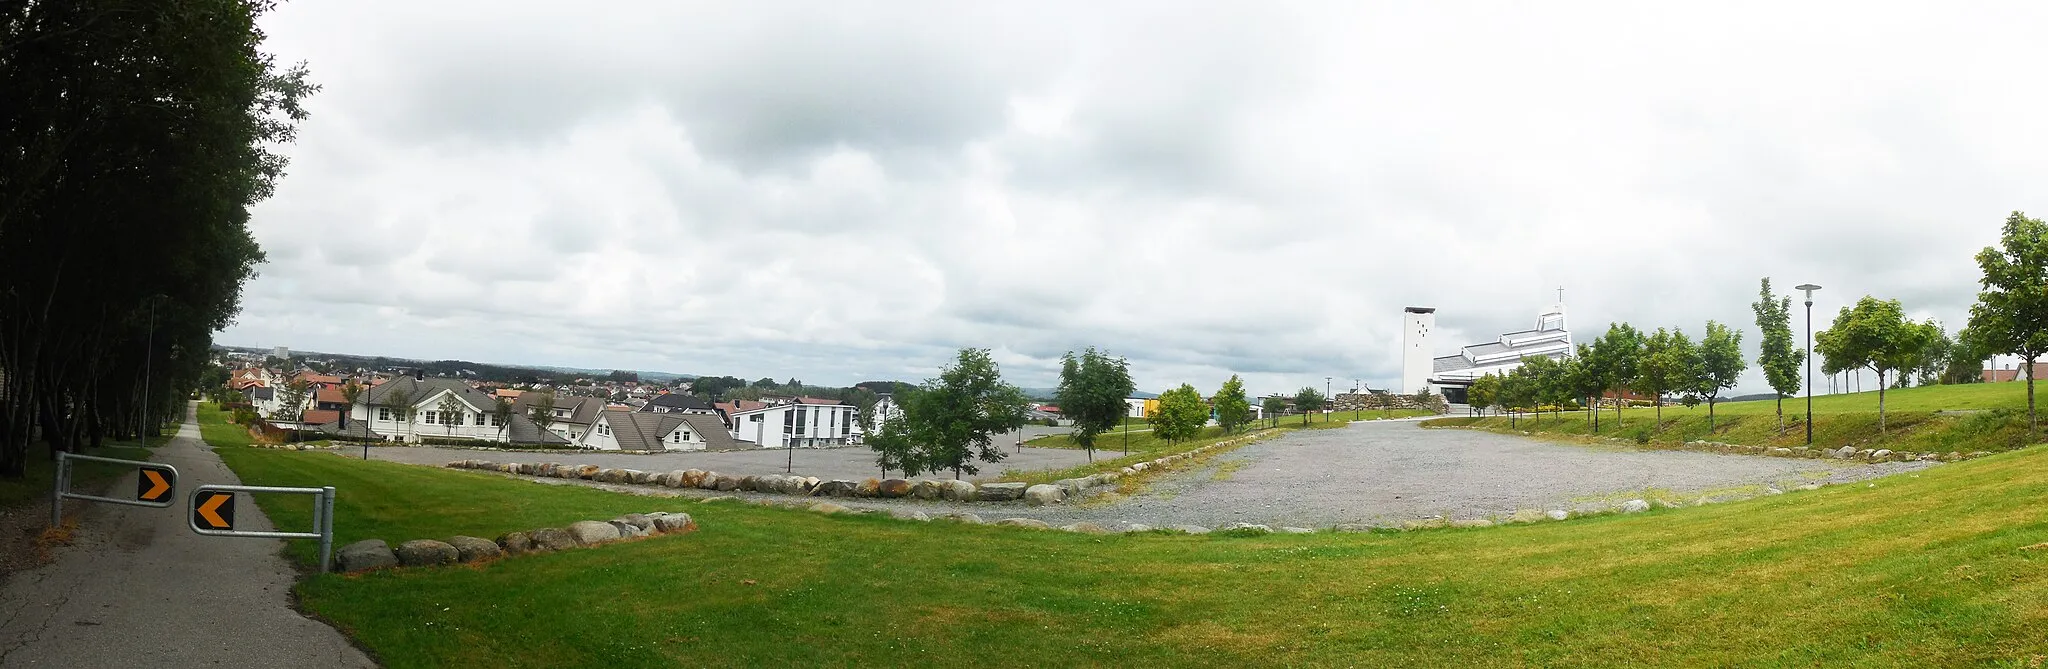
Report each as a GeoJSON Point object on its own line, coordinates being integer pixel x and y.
{"type": "Point", "coordinates": [462, 441]}
{"type": "Point", "coordinates": [1052, 422]}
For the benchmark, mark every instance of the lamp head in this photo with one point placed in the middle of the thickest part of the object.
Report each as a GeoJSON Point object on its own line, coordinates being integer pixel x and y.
{"type": "Point", "coordinates": [1809, 288]}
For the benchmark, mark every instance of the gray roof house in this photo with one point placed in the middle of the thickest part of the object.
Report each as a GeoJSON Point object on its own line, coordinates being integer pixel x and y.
{"type": "Point", "coordinates": [645, 431]}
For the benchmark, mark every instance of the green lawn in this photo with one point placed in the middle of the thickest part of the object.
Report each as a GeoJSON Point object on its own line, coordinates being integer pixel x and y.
{"type": "Point", "coordinates": [1923, 569]}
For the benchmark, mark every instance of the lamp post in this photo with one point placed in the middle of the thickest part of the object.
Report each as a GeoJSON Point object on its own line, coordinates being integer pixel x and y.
{"type": "Point", "coordinates": [1326, 399]}
{"type": "Point", "coordinates": [1809, 288]}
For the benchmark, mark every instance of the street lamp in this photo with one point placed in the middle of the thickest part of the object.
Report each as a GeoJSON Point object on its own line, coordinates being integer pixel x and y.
{"type": "Point", "coordinates": [1326, 399]}
{"type": "Point", "coordinates": [1809, 288]}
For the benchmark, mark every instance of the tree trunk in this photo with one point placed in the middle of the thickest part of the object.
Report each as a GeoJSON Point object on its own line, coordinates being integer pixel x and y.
{"type": "Point", "coordinates": [1880, 401]}
{"type": "Point", "coordinates": [1710, 415]}
{"type": "Point", "coordinates": [2032, 426]}
{"type": "Point", "coordinates": [1781, 413]}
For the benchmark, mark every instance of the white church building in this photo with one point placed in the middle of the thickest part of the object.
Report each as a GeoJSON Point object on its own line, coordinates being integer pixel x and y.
{"type": "Point", "coordinates": [1451, 375]}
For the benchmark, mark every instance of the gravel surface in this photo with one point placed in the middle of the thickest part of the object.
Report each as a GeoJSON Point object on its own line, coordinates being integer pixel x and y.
{"type": "Point", "coordinates": [855, 463]}
{"type": "Point", "coordinates": [1384, 473]}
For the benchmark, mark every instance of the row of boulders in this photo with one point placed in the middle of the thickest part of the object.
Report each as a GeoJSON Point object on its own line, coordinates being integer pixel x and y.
{"type": "Point", "coordinates": [810, 486]}
{"type": "Point", "coordinates": [1390, 401]}
{"type": "Point", "coordinates": [371, 554]}
{"type": "Point", "coordinates": [1843, 453]}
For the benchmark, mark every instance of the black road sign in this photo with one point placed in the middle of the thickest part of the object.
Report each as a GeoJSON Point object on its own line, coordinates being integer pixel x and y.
{"type": "Point", "coordinates": [214, 510]}
{"type": "Point", "coordinates": [154, 484]}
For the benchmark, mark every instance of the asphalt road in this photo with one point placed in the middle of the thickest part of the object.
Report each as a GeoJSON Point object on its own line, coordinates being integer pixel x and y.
{"type": "Point", "coordinates": [137, 588]}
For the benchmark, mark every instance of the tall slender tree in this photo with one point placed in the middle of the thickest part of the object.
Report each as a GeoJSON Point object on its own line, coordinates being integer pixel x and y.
{"type": "Point", "coordinates": [448, 411]}
{"type": "Point", "coordinates": [1719, 365]}
{"type": "Point", "coordinates": [1668, 364]}
{"type": "Point", "coordinates": [1616, 361]}
{"type": "Point", "coordinates": [1273, 406]}
{"type": "Point", "coordinates": [1777, 355]}
{"type": "Point", "coordinates": [1233, 410]}
{"type": "Point", "coordinates": [2011, 314]}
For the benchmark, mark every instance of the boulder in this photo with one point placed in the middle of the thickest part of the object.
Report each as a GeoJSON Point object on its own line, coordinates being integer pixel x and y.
{"type": "Point", "coordinates": [642, 478]}
{"type": "Point", "coordinates": [829, 508]}
{"type": "Point", "coordinates": [892, 488]}
{"type": "Point", "coordinates": [1978, 454]}
{"type": "Point", "coordinates": [426, 553]}
{"type": "Point", "coordinates": [904, 514]}
{"type": "Point", "coordinates": [365, 555]}
{"type": "Point", "coordinates": [868, 488]}
{"type": "Point", "coordinates": [1000, 492]}
{"type": "Point", "coordinates": [727, 483]}
{"type": "Point", "coordinates": [670, 523]}
{"type": "Point", "coordinates": [1635, 506]}
{"type": "Point", "coordinates": [690, 479]}
{"type": "Point", "coordinates": [834, 488]}
{"type": "Point", "coordinates": [1296, 530]}
{"type": "Point", "coordinates": [457, 464]}
{"type": "Point", "coordinates": [1139, 467]}
{"type": "Point", "coordinates": [552, 539]}
{"type": "Point", "coordinates": [587, 471]}
{"type": "Point", "coordinates": [474, 549]}
{"type": "Point", "coordinates": [925, 489]}
{"type": "Point", "coordinates": [674, 479]}
{"type": "Point", "coordinates": [628, 530]}
{"type": "Point", "coordinates": [1864, 453]}
{"type": "Point", "coordinates": [956, 490]}
{"type": "Point", "coordinates": [707, 481]}
{"type": "Point", "coordinates": [1246, 528]}
{"type": "Point", "coordinates": [1137, 527]}
{"type": "Point", "coordinates": [1085, 528]}
{"type": "Point", "coordinates": [1526, 516]}
{"type": "Point", "coordinates": [592, 533]}
{"type": "Point", "coordinates": [720, 498]}
{"type": "Point", "coordinates": [515, 543]}
{"type": "Point", "coordinates": [1127, 471]}
{"type": "Point", "coordinates": [1352, 527]}
{"type": "Point", "coordinates": [1024, 522]}
{"type": "Point", "coordinates": [1472, 522]}
{"type": "Point", "coordinates": [1042, 494]}
{"type": "Point", "coordinates": [1881, 454]}
{"type": "Point", "coordinates": [1845, 452]}
{"type": "Point", "coordinates": [1773, 490]}
{"type": "Point", "coordinates": [1190, 529]}
{"type": "Point", "coordinates": [1809, 486]}
{"type": "Point", "coordinates": [960, 517]}
{"type": "Point", "coordinates": [640, 520]}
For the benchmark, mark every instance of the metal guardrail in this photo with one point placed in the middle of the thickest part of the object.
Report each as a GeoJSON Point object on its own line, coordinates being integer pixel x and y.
{"type": "Point", "coordinates": [162, 485]}
{"type": "Point", "coordinates": [205, 509]}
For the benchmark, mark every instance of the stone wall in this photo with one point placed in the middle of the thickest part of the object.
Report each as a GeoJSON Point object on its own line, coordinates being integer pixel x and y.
{"type": "Point", "coordinates": [370, 554]}
{"type": "Point", "coordinates": [1390, 401]}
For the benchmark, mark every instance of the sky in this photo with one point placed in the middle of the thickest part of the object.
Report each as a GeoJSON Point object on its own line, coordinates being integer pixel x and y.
{"type": "Point", "coordinates": [840, 192]}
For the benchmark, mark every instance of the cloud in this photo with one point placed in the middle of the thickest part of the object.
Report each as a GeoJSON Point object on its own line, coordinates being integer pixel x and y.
{"type": "Point", "coordinates": [842, 193]}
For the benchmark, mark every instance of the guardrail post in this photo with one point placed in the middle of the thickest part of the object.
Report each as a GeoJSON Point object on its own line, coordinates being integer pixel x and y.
{"type": "Point", "coordinates": [326, 503]}
{"type": "Point", "coordinates": [57, 493]}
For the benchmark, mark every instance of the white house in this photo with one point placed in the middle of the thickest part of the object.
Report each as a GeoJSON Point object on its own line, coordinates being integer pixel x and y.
{"type": "Point", "coordinates": [572, 416]}
{"type": "Point", "coordinates": [617, 429]}
{"type": "Point", "coordinates": [471, 418]}
{"type": "Point", "coordinates": [1453, 374]}
{"type": "Point", "coordinates": [805, 422]}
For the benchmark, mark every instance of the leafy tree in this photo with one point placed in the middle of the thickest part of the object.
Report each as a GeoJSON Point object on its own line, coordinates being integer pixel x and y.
{"type": "Point", "coordinates": [764, 383]}
{"type": "Point", "coordinates": [1779, 356]}
{"type": "Point", "coordinates": [951, 420]}
{"type": "Point", "coordinates": [542, 409]}
{"type": "Point", "coordinates": [400, 402]}
{"type": "Point", "coordinates": [2011, 314]}
{"type": "Point", "coordinates": [1669, 363]}
{"type": "Point", "coordinates": [891, 444]}
{"type": "Point", "coordinates": [863, 401]}
{"type": "Point", "coordinates": [1616, 361]}
{"type": "Point", "coordinates": [1933, 359]}
{"type": "Point", "coordinates": [1875, 335]}
{"type": "Point", "coordinates": [1719, 365]}
{"type": "Point", "coordinates": [501, 413]}
{"type": "Point", "coordinates": [1965, 362]}
{"type": "Point", "coordinates": [1584, 380]}
{"type": "Point", "coordinates": [449, 408]}
{"type": "Point", "coordinates": [292, 402]}
{"type": "Point", "coordinates": [1307, 400]}
{"type": "Point", "coordinates": [1092, 390]}
{"type": "Point", "coordinates": [1274, 406]}
{"type": "Point", "coordinates": [352, 394]}
{"type": "Point", "coordinates": [1549, 379]}
{"type": "Point", "coordinates": [1233, 410]}
{"type": "Point", "coordinates": [715, 387]}
{"type": "Point", "coordinates": [1180, 415]}
{"type": "Point", "coordinates": [1485, 392]}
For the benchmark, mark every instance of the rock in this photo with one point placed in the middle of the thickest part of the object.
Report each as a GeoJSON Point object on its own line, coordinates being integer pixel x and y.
{"type": "Point", "coordinates": [1845, 452]}
{"type": "Point", "coordinates": [1472, 522]}
{"type": "Point", "coordinates": [691, 478]}
{"type": "Point", "coordinates": [834, 488]}
{"type": "Point", "coordinates": [903, 514]}
{"type": "Point", "coordinates": [640, 520]}
{"type": "Point", "coordinates": [892, 488]}
{"type": "Point", "coordinates": [1526, 516]}
{"type": "Point", "coordinates": [1863, 453]}
{"type": "Point", "coordinates": [1190, 529]}
{"type": "Point", "coordinates": [1952, 456]}
{"type": "Point", "coordinates": [628, 530]}
{"type": "Point", "coordinates": [1000, 492]}
{"type": "Point", "coordinates": [1024, 522]}
{"type": "Point", "coordinates": [1809, 486]}
{"type": "Point", "coordinates": [1085, 528]}
{"type": "Point", "coordinates": [457, 464]}
{"type": "Point", "coordinates": [670, 523]}
{"type": "Point", "coordinates": [592, 533]}
{"type": "Point", "coordinates": [1296, 530]}
{"type": "Point", "coordinates": [707, 481]}
{"type": "Point", "coordinates": [1137, 527]}
{"type": "Point", "coordinates": [1929, 457]}
{"type": "Point", "coordinates": [1127, 471]}
{"type": "Point", "coordinates": [1107, 478]}
{"type": "Point", "coordinates": [1352, 527]}
{"type": "Point", "coordinates": [642, 478]}
{"type": "Point", "coordinates": [1773, 490]}
{"type": "Point", "coordinates": [473, 549]}
{"type": "Point", "coordinates": [956, 490]}
{"type": "Point", "coordinates": [673, 479]}
{"type": "Point", "coordinates": [1978, 454]}
{"type": "Point", "coordinates": [365, 555]}
{"type": "Point", "coordinates": [1635, 506]}
{"type": "Point", "coordinates": [868, 488]}
{"type": "Point", "coordinates": [514, 543]}
{"type": "Point", "coordinates": [1139, 467]}
{"type": "Point", "coordinates": [1781, 452]}
{"type": "Point", "coordinates": [925, 489]}
{"type": "Point", "coordinates": [750, 483]}
{"type": "Point", "coordinates": [1422, 524]}
{"type": "Point", "coordinates": [1557, 514]}
{"type": "Point", "coordinates": [1881, 454]}
{"type": "Point", "coordinates": [1042, 494]}
{"type": "Point", "coordinates": [727, 483]}
{"type": "Point", "coordinates": [552, 539]}
{"type": "Point", "coordinates": [720, 498]}
{"type": "Point", "coordinates": [829, 508]}
{"type": "Point", "coordinates": [587, 471]}
{"type": "Point", "coordinates": [425, 553]}
{"type": "Point", "coordinates": [960, 517]}
{"type": "Point", "coordinates": [1245, 528]}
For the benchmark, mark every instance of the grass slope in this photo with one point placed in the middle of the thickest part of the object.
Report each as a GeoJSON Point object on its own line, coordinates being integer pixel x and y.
{"type": "Point", "coordinates": [1926, 569]}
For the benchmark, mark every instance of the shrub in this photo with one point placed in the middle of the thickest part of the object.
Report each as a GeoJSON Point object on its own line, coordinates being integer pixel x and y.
{"type": "Point", "coordinates": [1052, 422]}
{"type": "Point", "coordinates": [461, 441]}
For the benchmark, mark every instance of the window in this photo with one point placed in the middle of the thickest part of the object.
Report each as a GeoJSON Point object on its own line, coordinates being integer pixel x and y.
{"type": "Point", "coordinates": [430, 417]}
{"type": "Point", "coordinates": [686, 435]}
{"type": "Point", "coordinates": [383, 413]}
{"type": "Point", "coordinates": [496, 421]}
{"type": "Point", "coordinates": [457, 417]}
{"type": "Point", "coordinates": [756, 418]}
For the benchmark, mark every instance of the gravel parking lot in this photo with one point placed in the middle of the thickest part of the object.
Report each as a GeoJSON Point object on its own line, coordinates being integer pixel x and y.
{"type": "Point", "coordinates": [853, 462]}
{"type": "Point", "coordinates": [1379, 473]}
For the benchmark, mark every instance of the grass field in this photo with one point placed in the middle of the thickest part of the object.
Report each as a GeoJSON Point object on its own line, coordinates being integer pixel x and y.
{"type": "Point", "coordinates": [1964, 418]}
{"type": "Point", "coordinates": [1925, 569]}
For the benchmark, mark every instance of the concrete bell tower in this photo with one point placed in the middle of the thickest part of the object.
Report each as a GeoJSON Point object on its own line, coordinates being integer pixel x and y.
{"type": "Point", "coordinates": [1417, 353]}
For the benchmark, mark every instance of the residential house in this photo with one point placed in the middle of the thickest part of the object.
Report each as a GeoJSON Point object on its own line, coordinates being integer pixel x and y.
{"type": "Point", "coordinates": [572, 415]}
{"type": "Point", "coordinates": [803, 422]}
{"type": "Point", "coordinates": [652, 431]}
{"type": "Point", "coordinates": [678, 403]}
{"type": "Point", "coordinates": [472, 418]}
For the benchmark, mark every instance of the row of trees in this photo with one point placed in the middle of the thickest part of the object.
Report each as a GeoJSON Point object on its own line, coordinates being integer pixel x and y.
{"type": "Point", "coordinates": [134, 137]}
{"type": "Point", "coordinates": [1624, 359]}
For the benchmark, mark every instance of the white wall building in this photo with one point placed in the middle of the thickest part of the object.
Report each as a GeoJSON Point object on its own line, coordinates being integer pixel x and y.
{"type": "Point", "coordinates": [804, 423]}
{"type": "Point", "coordinates": [617, 429]}
{"type": "Point", "coordinates": [1549, 338]}
{"type": "Point", "coordinates": [1416, 349]}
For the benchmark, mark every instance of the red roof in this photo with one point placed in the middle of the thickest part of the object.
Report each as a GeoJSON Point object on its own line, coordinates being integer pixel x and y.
{"type": "Point", "coordinates": [329, 395]}
{"type": "Point", "coordinates": [319, 417]}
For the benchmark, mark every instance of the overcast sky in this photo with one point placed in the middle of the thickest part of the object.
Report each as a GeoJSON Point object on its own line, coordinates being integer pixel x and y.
{"type": "Point", "coordinates": [850, 191]}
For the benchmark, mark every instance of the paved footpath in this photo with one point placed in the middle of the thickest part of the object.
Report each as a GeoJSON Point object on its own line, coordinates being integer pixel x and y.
{"type": "Point", "coordinates": [138, 589]}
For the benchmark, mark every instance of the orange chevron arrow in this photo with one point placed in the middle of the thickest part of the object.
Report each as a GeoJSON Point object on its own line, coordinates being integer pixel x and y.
{"type": "Point", "coordinates": [209, 511]}
{"type": "Point", "coordinates": [158, 486]}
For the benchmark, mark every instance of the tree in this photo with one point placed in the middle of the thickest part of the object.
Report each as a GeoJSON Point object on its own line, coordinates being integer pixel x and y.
{"type": "Point", "coordinates": [863, 401]}
{"type": "Point", "coordinates": [1933, 359]}
{"type": "Point", "coordinates": [1485, 392]}
{"type": "Point", "coordinates": [1274, 406]}
{"type": "Point", "coordinates": [449, 408]}
{"type": "Point", "coordinates": [1616, 361]}
{"type": "Point", "coordinates": [1778, 356]}
{"type": "Point", "coordinates": [949, 421]}
{"type": "Point", "coordinates": [292, 402]}
{"type": "Point", "coordinates": [1668, 363]}
{"type": "Point", "coordinates": [1092, 390]}
{"type": "Point", "coordinates": [891, 444]}
{"type": "Point", "coordinates": [1549, 380]}
{"type": "Point", "coordinates": [2011, 313]}
{"type": "Point", "coordinates": [1306, 400]}
{"type": "Point", "coordinates": [1719, 365]}
{"type": "Point", "coordinates": [542, 409]}
{"type": "Point", "coordinates": [1584, 380]}
{"type": "Point", "coordinates": [501, 413]}
{"type": "Point", "coordinates": [1966, 355]}
{"type": "Point", "coordinates": [1875, 335]}
{"type": "Point", "coordinates": [400, 402]}
{"type": "Point", "coordinates": [1180, 415]}
{"type": "Point", "coordinates": [352, 394]}
{"type": "Point", "coordinates": [1233, 410]}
